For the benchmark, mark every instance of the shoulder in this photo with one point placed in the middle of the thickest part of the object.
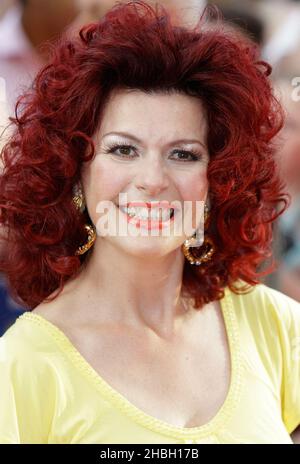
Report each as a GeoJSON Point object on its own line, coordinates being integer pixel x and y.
{"type": "Point", "coordinates": [17, 340]}
{"type": "Point", "coordinates": [21, 336]}
{"type": "Point", "coordinates": [26, 379]}
{"type": "Point", "coordinates": [25, 347]}
{"type": "Point", "coordinates": [263, 302]}
{"type": "Point", "coordinates": [30, 363]}
{"type": "Point", "coordinates": [270, 318]}
{"type": "Point", "coordinates": [25, 356]}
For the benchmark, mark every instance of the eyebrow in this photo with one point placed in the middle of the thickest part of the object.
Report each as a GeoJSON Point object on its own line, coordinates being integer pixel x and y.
{"type": "Point", "coordinates": [174, 142]}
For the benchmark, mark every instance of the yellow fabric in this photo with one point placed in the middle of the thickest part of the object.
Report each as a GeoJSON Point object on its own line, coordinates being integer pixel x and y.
{"type": "Point", "coordinates": [50, 394]}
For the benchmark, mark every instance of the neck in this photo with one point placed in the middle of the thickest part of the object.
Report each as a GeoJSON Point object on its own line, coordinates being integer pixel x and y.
{"type": "Point", "coordinates": [141, 291]}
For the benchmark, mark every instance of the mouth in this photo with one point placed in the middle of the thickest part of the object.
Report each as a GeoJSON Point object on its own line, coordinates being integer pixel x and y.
{"type": "Point", "coordinates": [149, 217]}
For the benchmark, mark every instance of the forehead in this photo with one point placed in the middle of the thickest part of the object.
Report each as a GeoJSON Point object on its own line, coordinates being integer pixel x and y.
{"type": "Point", "coordinates": [147, 115]}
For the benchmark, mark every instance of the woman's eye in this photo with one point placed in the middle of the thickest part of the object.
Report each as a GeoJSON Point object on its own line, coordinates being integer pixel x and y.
{"type": "Point", "coordinates": [123, 148]}
{"type": "Point", "coordinates": [193, 156]}
{"type": "Point", "coordinates": [124, 152]}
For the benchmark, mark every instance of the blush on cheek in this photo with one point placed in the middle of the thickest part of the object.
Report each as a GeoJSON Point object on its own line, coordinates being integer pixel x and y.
{"type": "Point", "coordinates": [104, 183]}
{"type": "Point", "coordinates": [196, 189]}
{"type": "Point", "coordinates": [111, 178]}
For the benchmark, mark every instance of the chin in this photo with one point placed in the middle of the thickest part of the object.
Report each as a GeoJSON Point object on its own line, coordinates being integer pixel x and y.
{"type": "Point", "coordinates": [145, 247]}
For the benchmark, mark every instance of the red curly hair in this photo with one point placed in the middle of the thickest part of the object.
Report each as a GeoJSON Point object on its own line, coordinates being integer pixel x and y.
{"type": "Point", "coordinates": [137, 46]}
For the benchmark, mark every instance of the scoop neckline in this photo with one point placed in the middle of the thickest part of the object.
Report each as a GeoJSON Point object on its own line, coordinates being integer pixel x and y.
{"type": "Point", "coordinates": [122, 403]}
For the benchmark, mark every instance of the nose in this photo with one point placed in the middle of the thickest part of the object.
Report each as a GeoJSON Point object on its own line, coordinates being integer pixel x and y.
{"type": "Point", "coordinates": [152, 177]}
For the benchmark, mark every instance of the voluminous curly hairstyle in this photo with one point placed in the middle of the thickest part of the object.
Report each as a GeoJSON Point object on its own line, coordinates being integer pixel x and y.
{"type": "Point", "coordinates": [137, 46]}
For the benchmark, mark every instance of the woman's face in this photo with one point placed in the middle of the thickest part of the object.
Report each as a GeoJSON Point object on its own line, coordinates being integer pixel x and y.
{"type": "Point", "coordinates": [150, 166]}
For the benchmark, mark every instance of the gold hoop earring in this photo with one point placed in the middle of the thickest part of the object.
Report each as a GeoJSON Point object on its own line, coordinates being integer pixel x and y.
{"type": "Point", "coordinates": [90, 240]}
{"type": "Point", "coordinates": [78, 198]}
{"type": "Point", "coordinates": [195, 257]}
{"type": "Point", "coordinates": [79, 202]}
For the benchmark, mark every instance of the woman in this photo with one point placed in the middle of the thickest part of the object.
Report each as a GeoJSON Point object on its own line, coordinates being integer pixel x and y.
{"type": "Point", "coordinates": [126, 334]}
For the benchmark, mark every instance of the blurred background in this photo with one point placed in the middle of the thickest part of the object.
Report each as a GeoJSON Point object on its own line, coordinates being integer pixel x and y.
{"type": "Point", "coordinates": [27, 27]}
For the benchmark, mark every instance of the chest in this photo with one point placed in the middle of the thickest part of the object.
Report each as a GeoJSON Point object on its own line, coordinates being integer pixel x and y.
{"type": "Point", "coordinates": [183, 383]}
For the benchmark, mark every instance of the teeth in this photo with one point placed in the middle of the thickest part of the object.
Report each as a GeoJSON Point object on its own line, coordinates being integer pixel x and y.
{"type": "Point", "coordinates": [157, 214]}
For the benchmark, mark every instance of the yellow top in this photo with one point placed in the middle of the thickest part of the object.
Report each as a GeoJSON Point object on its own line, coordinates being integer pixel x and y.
{"type": "Point", "coordinates": [50, 394]}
